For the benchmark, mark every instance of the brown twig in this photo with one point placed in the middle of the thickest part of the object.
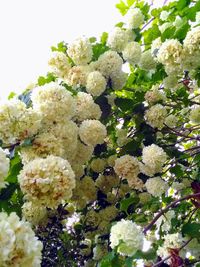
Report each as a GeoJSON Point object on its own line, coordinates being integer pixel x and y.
{"type": "Point", "coordinates": [163, 211]}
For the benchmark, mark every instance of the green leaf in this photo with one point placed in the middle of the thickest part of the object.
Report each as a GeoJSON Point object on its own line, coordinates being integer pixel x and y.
{"type": "Point", "coordinates": [107, 260]}
{"type": "Point", "coordinates": [182, 3]}
{"type": "Point", "coordinates": [177, 170]}
{"type": "Point", "coordinates": [123, 8]}
{"type": "Point", "coordinates": [124, 104]}
{"type": "Point", "coordinates": [130, 2]}
{"type": "Point", "coordinates": [11, 95]}
{"type": "Point", "coordinates": [125, 203]}
{"type": "Point", "coordinates": [6, 193]}
{"type": "Point", "coordinates": [191, 229]}
{"type": "Point", "coordinates": [61, 47]}
{"type": "Point", "coordinates": [104, 38]}
{"type": "Point", "coordinates": [92, 39]}
{"type": "Point", "coordinates": [168, 33]}
{"type": "Point", "coordinates": [42, 80]}
{"type": "Point", "coordinates": [99, 49]}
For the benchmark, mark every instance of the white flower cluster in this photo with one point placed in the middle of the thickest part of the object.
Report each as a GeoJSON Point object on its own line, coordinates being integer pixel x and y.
{"type": "Point", "coordinates": [19, 246]}
{"type": "Point", "coordinates": [17, 122]}
{"type": "Point", "coordinates": [147, 61]}
{"type": "Point", "coordinates": [80, 51]}
{"type": "Point", "coordinates": [59, 64]}
{"type": "Point", "coordinates": [4, 167]}
{"type": "Point", "coordinates": [165, 220]}
{"type": "Point", "coordinates": [77, 76]}
{"type": "Point", "coordinates": [153, 157]}
{"type": "Point", "coordinates": [171, 121]}
{"type": "Point", "coordinates": [170, 55]}
{"type": "Point", "coordinates": [156, 186]}
{"type": "Point", "coordinates": [155, 95]}
{"type": "Point", "coordinates": [128, 168]}
{"type": "Point", "coordinates": [134, 18]}
{"type": "Point", "coordinates": [191, 48]}
{"type": "Point", "coordinates": [34, 214]}
{"type": "Point", "coordinates": [195, 114]}
{"type": "Point", "coordinates": [92, 132]}
{"type": "Point", "coordinates": [47, 181]}
{"type": "Point", "coordinates": [53, 101]}
{"type": "Point", "coordinates": [109, 64]}
{"type": "Point", "coordinates": [156, 115]}
{"type": "Point", "coordinates": [173, 241]}
{"type": "Point", "coordinates": [86, 107]}
{"type": "Point", "coordinates": [96, 83]}
{"type": "Point", "coordinates": [118, 39]}
{"type": "Point", "coordinates": [127, 237]}
{"type": "Point", "coordinates": [132, 53]}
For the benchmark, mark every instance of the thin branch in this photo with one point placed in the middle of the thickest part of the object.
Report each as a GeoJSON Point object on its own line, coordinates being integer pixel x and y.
{"type": "Point", "coordinates": [167, 258]}
{"type": "Point", "coordinates": [163, 211]}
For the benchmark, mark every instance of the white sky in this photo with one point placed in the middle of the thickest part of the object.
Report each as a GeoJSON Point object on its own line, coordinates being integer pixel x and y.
{"type": "Point", "coordinates": [28, 29]}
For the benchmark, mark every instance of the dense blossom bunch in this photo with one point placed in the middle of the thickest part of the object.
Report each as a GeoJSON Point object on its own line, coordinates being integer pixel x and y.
{"type": "Point", "coordinates": [47, 181]}
{"type": "Point", "coordinates": [80, 51]}
{"type": "Point", "coordinates": [155, 116]}
{"type": "Point", "coordinates": [107, 144]}
{"type": "Point", "coordinates": [134, 18]}
{"type": "Point", "coordinates": [153, 158]}
{"type": "Point", "coordinates": [127, 237]}
{"type": "Point", "coordinates": [132, 53]}
{"type": "Point", "coordinates": [19, 245]}
{"type": "Point", "coordinates": [17, 121]}
{"type": "Point", "coordinates": [96, 83]}
{"type": "Point", "coordinates": [4, 167]}
{"type": "Point", "coordinates": [118, 39]}
{"type": "Point", "coordinates": [92, 132]}
{"type": "Point", "coordinates": [156, 186]}
{"type": "Point", "coordinates": [53, 102]}
{"type": "Point", "coordinates": [86, 107]}
{"type": "Point", "coordinates": [59, 64]}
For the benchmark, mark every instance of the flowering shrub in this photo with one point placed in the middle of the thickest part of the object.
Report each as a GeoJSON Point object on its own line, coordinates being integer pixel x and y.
{"type": "Point", "coordinates": [98, 166]}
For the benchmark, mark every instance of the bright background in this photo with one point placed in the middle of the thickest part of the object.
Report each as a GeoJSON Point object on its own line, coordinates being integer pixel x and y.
{"type": "Point", "coordinates": [30, 27]}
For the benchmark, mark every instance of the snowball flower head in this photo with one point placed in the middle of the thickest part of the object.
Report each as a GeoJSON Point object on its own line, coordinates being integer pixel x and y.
{"type": "Point", "coordinates": [19, 246]}
{"type": "Point", "coordinates": [77, 76]}
{"type": "Point", "coordinates": [118, 39]}
{"type": "Point", "coordinates": [155, 116]}
{"type": "Point", "coordinates": [171, 121]}
{"type": "Point", "coordinates": [154, 95]}
{"type": "Point", "coordinates": [127, 167]}
{"type": "Point", "coordinates": [86, 108]}
{"type": "Point", "coordinates": [118, 80]}
{"type": "Point", "coordinates": [147, 61]}
{"type": "Point", "coordinates": [96, 83]}
{"type": "Point", "coordinates": [192, 41]}
{"type": "Point", "coordinates": [17, 122]}
{"type": "Point", "coordinates": [195, 114]}
{"type": "Point", "coordinates": [47, 181]}
{"type": "Point", "coordinates": [132, 52]}
{"type": "Point", "coordinates": [80, 51]}
{"type": "Point", "coordinates": [92, 132]}
{"type": "Point", "coordinates": [53, 101]}
{"type": "Point", "coordinates": [109, 63]}
{"type": "Point", "coordinates": [134, 18]}
{"type": "Point", "coordinates": [170, 52]}
{"type": "Point", "coordinates": [173, 241]}
{"type": "Point", "coordinates": [59, 64]}
{"type": "Point", "coordinates": [154, 157]}
{"type": "Point", "coordinates": [4, 167]}
{"type": "Point", "coordinates": [156, 186]}
{"type": "Point", "coordinates": [34, 214]}
{"type": "Point", "coordinates": [127, 237]}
